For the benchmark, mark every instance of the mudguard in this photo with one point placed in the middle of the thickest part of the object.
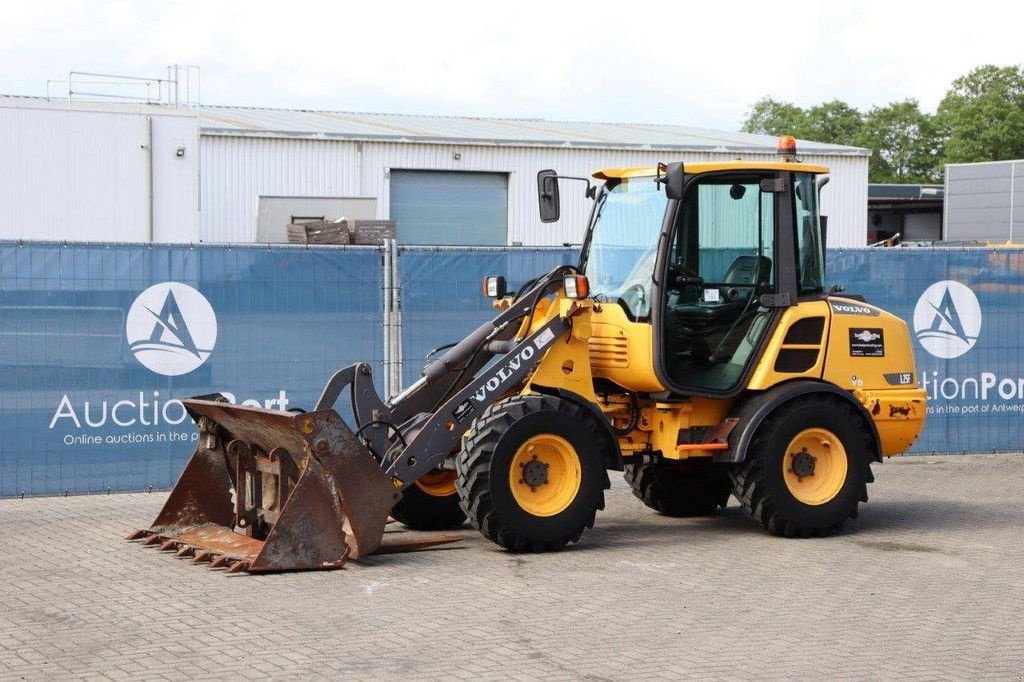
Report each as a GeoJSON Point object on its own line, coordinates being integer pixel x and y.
{"type": "Point", "coordinates": [753, 410]}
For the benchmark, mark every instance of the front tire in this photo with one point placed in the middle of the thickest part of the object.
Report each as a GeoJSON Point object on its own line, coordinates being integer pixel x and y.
{"type": "Point", "coordinates": [532, 473]}
{"type": "Point", "coordinates": [807, 468]}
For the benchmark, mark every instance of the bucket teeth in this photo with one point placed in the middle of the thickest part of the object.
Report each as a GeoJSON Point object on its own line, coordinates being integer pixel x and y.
{"type": "Point", "coordinates": [238, 567]}
{"type": "Point", "coordinates": [220, 562]}
{"type": "Point", "coordinates": [201, 556]}
{"type": "Point", "coordinates": [137, 535]}
{"type": "Point", "coordinates": [169, 546]}
{"type": "Point", "coordinates": [152, 540]}
{"type": "Point", "coordinates": [185, 551]}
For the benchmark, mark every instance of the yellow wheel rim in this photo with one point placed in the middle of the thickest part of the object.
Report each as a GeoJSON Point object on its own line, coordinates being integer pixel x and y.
{"type": "Point", "coordinates": [814, 466]}
{"type": "Point", "coordinates": [545, 475]}
{"type": "Point", "coordinates": [438, 482]}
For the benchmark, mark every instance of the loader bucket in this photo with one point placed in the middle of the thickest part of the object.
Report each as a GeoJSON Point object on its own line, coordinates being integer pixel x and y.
{"type": "Point", "coordinates": [268, 490]}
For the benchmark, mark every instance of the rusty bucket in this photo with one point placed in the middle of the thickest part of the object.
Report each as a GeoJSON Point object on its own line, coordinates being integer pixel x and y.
{"type": "Point", "coordinates": [268, 490]}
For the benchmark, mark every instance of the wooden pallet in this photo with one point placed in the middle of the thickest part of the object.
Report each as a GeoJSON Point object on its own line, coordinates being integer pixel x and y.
{"type": "Point", "coordinates": [371, 232]}
{"type": "Point", "coordinates": [320, 232]}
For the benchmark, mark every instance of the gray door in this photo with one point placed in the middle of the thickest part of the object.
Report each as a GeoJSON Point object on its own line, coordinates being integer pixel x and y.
{"type": "Point", "coordinates": [450, 208]}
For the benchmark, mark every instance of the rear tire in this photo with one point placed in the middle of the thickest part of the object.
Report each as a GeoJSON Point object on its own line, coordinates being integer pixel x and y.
{"type": "Point", "coordinates": [540, 440]}
{"type": "Point", "coordinates": [824, 440]}
{"type": "Point", "coordinates": [689, 487]}
{"type": "Point", "coordinates": [431, 503]}
{"type": "Point", "coordinates": [421, 511]}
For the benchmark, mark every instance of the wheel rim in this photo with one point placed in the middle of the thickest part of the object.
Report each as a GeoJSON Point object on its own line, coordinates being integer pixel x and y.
{"type": "Point", "coordinates": [814, 466]}
{"type": "Point", "coordinates": [545, 475]}
{"type": "Point", "coordinates": [439, 482]}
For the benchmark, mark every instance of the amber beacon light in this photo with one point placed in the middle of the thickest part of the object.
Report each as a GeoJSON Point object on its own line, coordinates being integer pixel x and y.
{"type": "Point", "coordinates": [787, 145]}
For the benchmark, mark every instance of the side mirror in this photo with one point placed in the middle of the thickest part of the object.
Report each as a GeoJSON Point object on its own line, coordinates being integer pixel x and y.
{"type": "Point", "coordinates": [673, 178]}
{"type": "Point", "coordinates": [547, 196]}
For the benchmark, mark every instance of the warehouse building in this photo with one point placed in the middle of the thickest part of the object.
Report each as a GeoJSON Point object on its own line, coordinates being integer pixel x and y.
{"type": "Point", "coordinates": [985, 202]}
{"type": "Point", "coordinates": [84, 171]}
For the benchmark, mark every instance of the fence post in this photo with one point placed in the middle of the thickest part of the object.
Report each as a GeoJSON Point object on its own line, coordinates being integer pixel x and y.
{"type": "Point", "coordinates": [397, 359]}
{"type": "Point", "coordinates": [386, 272]}
{"type": "Point", "coordinates": [392, 320]}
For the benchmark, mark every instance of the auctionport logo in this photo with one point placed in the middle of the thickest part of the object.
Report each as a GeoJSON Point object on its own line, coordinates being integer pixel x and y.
{"type": "Point", "coordinates": [947, 319]}
{"type": "Point", "coordinates": [171, 328]}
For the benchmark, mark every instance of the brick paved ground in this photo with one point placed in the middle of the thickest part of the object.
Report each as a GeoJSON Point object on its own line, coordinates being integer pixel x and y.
{"type": "Point", "coordinates": [928, 583]}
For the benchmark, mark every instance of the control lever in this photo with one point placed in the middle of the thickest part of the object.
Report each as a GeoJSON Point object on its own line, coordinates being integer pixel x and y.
{"type": "Point", "coordinates": [688, 280]}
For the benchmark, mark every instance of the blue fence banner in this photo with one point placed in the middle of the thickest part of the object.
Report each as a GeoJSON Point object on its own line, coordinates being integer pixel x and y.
{"type": "Point", "coordinates": [963, 307]}
{"type": "Point", "coordinates": [442, 299]}
{"type": "Point", "coordinates": [99, 343]}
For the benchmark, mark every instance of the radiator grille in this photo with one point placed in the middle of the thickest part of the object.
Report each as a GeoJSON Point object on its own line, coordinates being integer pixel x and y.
{"type": "Point", "coordinates": [609, 353]}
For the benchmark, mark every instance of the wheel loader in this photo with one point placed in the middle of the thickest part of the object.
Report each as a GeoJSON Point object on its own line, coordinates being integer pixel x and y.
{"type": "Point", "coordinates": [694, 347]}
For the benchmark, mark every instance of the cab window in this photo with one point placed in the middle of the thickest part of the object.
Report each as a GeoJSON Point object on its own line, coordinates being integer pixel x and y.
{"type": "Point", "coordinates": [810, 250]}
{"type": "Point", "coordinates": [721, 261]}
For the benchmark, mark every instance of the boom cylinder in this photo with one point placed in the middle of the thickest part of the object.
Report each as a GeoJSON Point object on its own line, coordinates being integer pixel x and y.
{"type": "Point", "coordinates": [458, 353]}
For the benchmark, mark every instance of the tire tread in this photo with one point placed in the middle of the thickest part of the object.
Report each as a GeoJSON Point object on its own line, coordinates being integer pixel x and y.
{"type": "Point", "coordinates": [748, 477]}
{"type": "Point", "coordinates": [474, 460]}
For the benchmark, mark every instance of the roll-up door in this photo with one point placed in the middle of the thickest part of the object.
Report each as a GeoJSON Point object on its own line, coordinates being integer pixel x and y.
{"type": "Point", "coordinates": [450, 208]}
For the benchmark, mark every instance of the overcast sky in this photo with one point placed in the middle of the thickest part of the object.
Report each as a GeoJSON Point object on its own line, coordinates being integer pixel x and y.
{"type": "Point", "coordinates": [649, 61]}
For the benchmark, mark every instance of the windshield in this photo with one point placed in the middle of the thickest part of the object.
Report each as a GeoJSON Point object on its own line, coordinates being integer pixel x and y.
{"type": "Point", "coordinates": [621, 255]}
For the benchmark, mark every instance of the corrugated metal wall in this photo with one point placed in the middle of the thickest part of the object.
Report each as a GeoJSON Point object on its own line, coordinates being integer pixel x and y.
{"type": "Point", "coordinates": [236, 170]}
{"type": "Point", "coordinates": [73, 175]}
{"type": "Point", "coordinates": [85, 174]}
{"type": "Point", "coordinates": [175, 145]}
{"type": "Point", "coordinates": [985, 201]}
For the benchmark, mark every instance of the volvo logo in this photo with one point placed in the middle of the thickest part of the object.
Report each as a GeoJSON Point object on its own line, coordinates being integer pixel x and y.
{"type": "Point", "coordinates": [171, 328]}
{"type": "Point", "coordinates": [502, 375]}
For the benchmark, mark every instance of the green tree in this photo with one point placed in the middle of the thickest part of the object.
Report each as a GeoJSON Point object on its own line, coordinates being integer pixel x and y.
{"type": "Point", "coordinates": [835, 122]}
{"type": "Point", "coordinates": [770, 117]}
{"type": "Point", "coordinates": [982, 115]}
{"type": "Point", "coordinates": [904, 144]}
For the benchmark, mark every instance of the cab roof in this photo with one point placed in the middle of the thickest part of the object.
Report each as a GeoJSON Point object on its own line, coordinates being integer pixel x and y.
{"type": "Point", "coordinates": [697, 168]}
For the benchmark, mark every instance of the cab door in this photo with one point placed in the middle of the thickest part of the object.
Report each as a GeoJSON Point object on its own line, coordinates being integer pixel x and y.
{"type": "Point", "coordinates": [719, 289]}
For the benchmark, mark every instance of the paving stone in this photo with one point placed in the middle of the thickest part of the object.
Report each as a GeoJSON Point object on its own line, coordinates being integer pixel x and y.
{"type": "Point", "coordinates": [928, 583]}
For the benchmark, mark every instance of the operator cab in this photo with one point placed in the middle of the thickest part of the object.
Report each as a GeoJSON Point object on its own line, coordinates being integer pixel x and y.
{"type": "Point", "coordinates": [720, 263]}
{"type": "Point", "coordinates": [739, 243]}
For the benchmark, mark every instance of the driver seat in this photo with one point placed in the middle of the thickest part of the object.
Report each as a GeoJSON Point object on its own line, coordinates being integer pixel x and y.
{"type": "Point", "coordinates": [747, 270]}
{"type": "Point", "coordinates": [704, 326]}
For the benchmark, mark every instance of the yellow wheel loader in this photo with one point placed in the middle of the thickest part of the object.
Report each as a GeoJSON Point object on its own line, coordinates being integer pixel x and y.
{"type": "Point", "coordinates": [694, 347]}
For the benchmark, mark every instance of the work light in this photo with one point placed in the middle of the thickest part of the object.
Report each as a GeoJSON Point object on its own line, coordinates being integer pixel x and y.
{"type": "Point", "coordinates": [494, 287]}
{"type": "Point", "coordinates": [576, 286]}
